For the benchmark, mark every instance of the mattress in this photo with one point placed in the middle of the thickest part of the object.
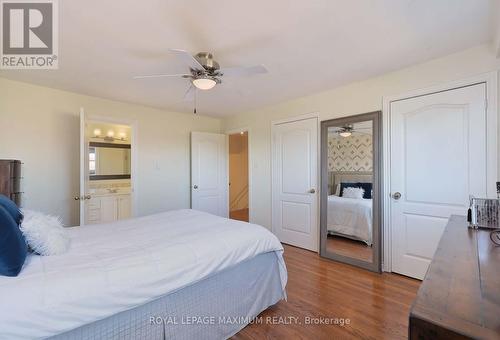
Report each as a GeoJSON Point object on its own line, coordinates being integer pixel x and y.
{"type": "Point", "coordinates": [115, 267]}
{"type": "Point", "coordinates": [350, 217]}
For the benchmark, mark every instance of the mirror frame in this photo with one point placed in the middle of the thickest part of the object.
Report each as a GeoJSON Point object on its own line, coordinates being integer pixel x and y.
{"type": "Point", "coordinates": [109, 145]}
{"type": "Point", "coordinates": [376, 118]}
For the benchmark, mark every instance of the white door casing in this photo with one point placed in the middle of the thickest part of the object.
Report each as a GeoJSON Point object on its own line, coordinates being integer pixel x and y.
{"type": "Point", "coordinates": [295, 182]}
{"type": "Point", "coordinates": [209, 179]}
{"type": "Point", "coordinates": [438, 158]}
{"type": "Point", "coordinates": [83, 167]}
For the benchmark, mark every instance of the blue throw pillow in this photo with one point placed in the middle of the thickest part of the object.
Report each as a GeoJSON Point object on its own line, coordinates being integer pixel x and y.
{"type": "Point", "coordinates": [13, 248]}
{"type": "Point", "coordinates": [12, 208]}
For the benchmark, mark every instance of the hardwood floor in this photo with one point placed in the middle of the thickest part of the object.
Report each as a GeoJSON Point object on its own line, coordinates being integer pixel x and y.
{"type": "Point", "coordinates": [376, 305]}
{"type": "Point", "coordinates": [347, 247]}
{"type": "Point", "coordinates": [241, 215]}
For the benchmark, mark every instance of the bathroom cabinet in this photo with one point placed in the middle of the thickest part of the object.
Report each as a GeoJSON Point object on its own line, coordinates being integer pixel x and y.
{"type": "Point", "coordinates": [108, 208]}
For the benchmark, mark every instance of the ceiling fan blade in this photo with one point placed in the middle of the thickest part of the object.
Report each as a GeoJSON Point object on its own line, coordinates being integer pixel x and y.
{"type": "Point", "coordinates": [162, 76]}
{"type": "Point", "coordinates": [189, 95]}
{"type": "Point", "coordinates": [187, 59]}
{"type": "Point", "coordinates": [243, 71]}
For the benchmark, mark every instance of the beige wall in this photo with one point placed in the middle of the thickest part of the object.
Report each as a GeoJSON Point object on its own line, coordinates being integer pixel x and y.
{"type": "Point", "coordinates": [40, 126]}
{"type": "Point", "coordinates": [355, 98]}
{"type": "Point", "coordinates": [238, 171]}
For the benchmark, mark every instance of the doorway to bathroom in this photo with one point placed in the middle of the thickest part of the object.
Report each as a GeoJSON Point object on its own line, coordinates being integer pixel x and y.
{"type": "Point", "coordinates": [106, 170]}
{"type": "Point", "coordinates": [239, 177]}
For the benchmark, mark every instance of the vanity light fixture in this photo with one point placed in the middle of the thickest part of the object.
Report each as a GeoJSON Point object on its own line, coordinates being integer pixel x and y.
{"type": "Point", "coordinates": [110, 136]}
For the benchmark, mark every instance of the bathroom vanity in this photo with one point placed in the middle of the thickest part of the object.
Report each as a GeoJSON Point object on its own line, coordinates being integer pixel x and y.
{"type": "Point", "coordinates": [108, 184]}
{"type": "Point", "coordinates": [108, 205]}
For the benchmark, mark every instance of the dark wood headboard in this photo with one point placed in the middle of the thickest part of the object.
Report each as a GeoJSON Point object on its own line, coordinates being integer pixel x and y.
{"type": "Point", "coordinates": [10, 179]}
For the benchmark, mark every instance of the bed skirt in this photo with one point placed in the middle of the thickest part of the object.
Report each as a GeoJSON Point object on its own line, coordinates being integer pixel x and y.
{"type": "Point", "coordinates": [214, 308]}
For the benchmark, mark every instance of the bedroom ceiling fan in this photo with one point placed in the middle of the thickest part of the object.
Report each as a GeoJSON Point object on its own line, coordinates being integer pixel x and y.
{"type": "Point", "coordinates": [204, 72]}
{"type": "Point", "coordinates": [348, 129]}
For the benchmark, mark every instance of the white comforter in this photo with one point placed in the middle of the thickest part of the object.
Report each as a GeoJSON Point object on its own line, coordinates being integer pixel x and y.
{"type": "Point", "coordinates": [118, 266]}
{"type": "Point", "coordinates": [350, 217]}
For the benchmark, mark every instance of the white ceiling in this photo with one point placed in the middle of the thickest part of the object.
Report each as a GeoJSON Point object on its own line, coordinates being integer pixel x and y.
{"type": "Point", "coordinates": [307, 45]}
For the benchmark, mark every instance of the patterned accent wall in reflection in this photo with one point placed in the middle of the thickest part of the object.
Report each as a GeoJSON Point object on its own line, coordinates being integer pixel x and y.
{"type": "Point", "coordinates": [354, 153]}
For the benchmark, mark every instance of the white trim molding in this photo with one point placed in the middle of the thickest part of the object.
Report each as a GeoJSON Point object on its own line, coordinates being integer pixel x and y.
{"type": "Point", "coordinates": [296, 118]}
{"type": "Point", "coordinates": [491, 81]}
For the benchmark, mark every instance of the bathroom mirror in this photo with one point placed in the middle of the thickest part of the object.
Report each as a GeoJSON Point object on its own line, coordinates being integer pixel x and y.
{"type": "Point", "coordinates": [350, 190]}
{"type": "Point", "coordinates": [109, 161]}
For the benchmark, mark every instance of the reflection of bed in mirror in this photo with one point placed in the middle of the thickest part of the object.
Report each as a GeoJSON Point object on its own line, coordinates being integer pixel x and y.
{"type": "Point", "coordinates": [350, 217]}
{"type": "Point", "coordinates": [350, 195]}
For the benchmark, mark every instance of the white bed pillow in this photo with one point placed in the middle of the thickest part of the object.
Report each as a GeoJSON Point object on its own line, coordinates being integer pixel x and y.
{"type": "Point", "coordinates": [44, 234]}
{"type": "Point", "coordinates": [353, 193]}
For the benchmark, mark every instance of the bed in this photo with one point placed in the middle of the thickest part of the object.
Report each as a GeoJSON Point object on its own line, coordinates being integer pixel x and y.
{"type": "Point", "coordinates": [349, 217]}
{"type": "Point", "coordinates": [182, 274]}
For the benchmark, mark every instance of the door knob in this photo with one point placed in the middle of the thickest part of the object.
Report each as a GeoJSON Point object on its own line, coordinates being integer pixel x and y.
{"type": "Point", "coordinates": [312, 191]}
{"type": "Point", "coordinates": [77, 198]}
{"type": "Point", "coordinates": [396, 195]}
{"type": "Point", "coordinates": [87, 197]}
{"type": "Point", "coordinates": [195, 186]}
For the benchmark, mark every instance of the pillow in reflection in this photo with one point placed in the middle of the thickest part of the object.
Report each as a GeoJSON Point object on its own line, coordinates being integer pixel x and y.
{"type": "Point", "coordinates": [353, 193]}
{"type": "Point", "coordinates": [367, 187]}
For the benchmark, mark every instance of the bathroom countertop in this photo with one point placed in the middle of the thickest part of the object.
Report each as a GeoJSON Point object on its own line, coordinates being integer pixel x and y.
{"type": "Point", "coordinates": [109, 192]}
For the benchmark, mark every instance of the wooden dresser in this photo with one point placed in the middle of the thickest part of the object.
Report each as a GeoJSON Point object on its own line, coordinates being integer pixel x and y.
{"type": "Point", "coordinates": [460, 295]}
{"type": "Point", "coordinates": [10, 179]}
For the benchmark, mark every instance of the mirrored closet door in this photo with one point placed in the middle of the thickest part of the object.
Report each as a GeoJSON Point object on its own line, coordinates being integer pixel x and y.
{"type": "Point", "coordinates": [351, 190]}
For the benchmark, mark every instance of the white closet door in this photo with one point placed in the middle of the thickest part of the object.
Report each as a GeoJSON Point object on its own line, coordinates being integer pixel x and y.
{"type": "Point", "coordinates": [438, 159]}
{"type": "Point", "coordinates": [209, 180]}
{"type": "Point", "coordinates": [295, 183]}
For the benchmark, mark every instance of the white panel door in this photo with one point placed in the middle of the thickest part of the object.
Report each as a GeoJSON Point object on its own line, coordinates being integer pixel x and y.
{"type": "Point", "coordinates": [295, 182]}
{"type": "Point", "coordinates": [209, 180]}
{"type": "Point", "coordinates": [438, 159]}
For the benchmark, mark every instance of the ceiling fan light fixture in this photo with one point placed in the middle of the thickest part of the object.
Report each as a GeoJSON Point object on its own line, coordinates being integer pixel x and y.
{"type": "Point", "coordinates": [345, 133]}
{"type": "Point", "coordinates": [204, 83]}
